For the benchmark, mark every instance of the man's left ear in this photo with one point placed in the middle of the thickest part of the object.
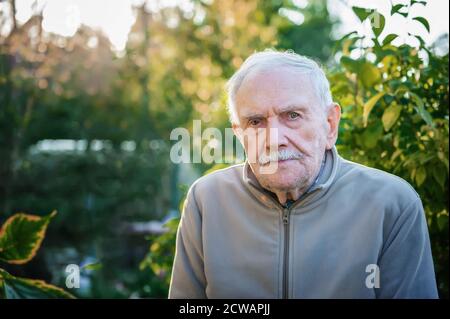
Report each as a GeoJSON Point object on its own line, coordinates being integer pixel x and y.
{"type": "Point", "coordinates": [333, 118]}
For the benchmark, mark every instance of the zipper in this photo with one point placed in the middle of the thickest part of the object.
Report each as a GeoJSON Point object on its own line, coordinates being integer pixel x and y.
{"type": "Point", "coordinates": [286, 214]}
{"type": "Point", "coordinates": [286, 219]}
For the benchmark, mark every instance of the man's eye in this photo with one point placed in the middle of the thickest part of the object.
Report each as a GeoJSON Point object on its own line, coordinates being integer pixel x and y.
{"type": "Point", "coordinates": [293, 115]}
{"type": "Point", "coordinates": [254, 122]}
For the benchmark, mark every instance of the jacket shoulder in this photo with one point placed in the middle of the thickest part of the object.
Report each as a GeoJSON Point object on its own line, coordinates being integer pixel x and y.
{"type": "Point", "coordinates": [210, 183]}
{"type": "Point", "coordinates": [379, 184]}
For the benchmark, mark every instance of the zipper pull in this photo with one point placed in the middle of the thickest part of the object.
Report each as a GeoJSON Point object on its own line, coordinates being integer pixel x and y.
{"type": "Point", "coordinates": [286, 216]}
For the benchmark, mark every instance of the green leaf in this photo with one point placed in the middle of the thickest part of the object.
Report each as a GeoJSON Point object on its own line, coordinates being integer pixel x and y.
{"type": "Point", "coordinates": [390, 116]}
{"type": "Point", "coordinates": [413, 2]}
{"type": "Point", "coordinates": [21, 288]}
{"type": "Point", "coordinates": [417, 99]}
{"type": "Point", "coordinates": [424, 22]}
{"type": "Point", "coordinates": [421, 175]}
{"type": "Point", "coordinates": [439, 176]}
{"type": "Point", "coordinates": [368, 106]}
{"type": "Point", "coordinates": [421, 41]}
{"type": "Point", "coordinates": [372, 135]}
{"type": "Point", "coordinates": [362, 13]}
{"type": "Point", "coordinates": [378, 23]}
{"type": "Point", "coordinates": [21, 236]}
{"type": "Point", "coordinates": [348, 35]}
{"type": "Point", "coordinates": [350, 64]}
{"type": "Point", "coordinates": [389, 38]}
{"type": "Point", "coordinates": [397, 8]}
{"type": "Point", "coordinates": [425, 115]}
{"type": "Point", "coordinates": [443, 158]}
{"type": "Point", "coordinates": [93, 266]}
{"type": "Point", "coordinates": [172, 224]}
{"type": "Point", "coordinates": [347, 42]}
{"type": "Point", "coordinates": [420, 109]}
{"type": "Point", "coordinates": [369, 74]}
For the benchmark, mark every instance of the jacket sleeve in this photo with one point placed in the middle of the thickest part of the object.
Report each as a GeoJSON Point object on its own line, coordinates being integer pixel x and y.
{"type": "Point", "coordinates": [406, 264]}
{"type": "Point", "coordinates": [188, 278]}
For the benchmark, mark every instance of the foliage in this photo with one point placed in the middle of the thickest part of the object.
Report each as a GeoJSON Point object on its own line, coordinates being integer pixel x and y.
{"type": "Point", "coordinates": [20, 238]}
{"type": "Point", "coordinates": [63, 88]}
{"type": "Point", "coordinates": [159, 259]}
{"type": "Point", "coordinates": [395, 117]}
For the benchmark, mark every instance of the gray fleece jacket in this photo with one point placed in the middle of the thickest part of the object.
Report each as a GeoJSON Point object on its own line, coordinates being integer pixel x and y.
{"type": "Point", "coordinates": [358, 233]}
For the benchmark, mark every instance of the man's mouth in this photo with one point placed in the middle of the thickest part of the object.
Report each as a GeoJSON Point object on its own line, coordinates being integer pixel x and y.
{"type": "Point", "coordinates": [280, 161]}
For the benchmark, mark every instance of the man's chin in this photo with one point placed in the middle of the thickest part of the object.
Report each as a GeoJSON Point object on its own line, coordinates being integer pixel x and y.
{"type": "Point", "coordinates": [281, 183]}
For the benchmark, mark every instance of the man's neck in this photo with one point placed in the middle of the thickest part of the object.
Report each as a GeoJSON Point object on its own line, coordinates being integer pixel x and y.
{"type": "Point", "coordinates": [291, 195]}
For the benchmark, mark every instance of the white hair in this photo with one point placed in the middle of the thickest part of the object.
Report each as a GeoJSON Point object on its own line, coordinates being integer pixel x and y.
{"type": "Point", "coordinates": [269, 59]}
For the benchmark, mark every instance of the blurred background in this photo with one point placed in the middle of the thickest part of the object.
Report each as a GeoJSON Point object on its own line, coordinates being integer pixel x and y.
{"type": "Point", "coordinates": [90, 91]}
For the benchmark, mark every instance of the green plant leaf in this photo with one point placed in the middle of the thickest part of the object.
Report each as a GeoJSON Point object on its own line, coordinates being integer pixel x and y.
{"type": "Point", "coordinates": [425, 115]}
{"type": "Point", "coordinates": [369, 74]}
{"type": "Point", "coordinates": [348, 35]}
{"type": "Point", "coordinates": [372, 135]}
{"type": "Point", "coordinates": [418, 2]}
{"type": "Point", "coordinates": [350, 64]}
{"type": "Point", "coordinates": [389, 38]}
{"type": "Point", "coordinates": [424, 22]}
{"type": "Point", "coordinates": [378, 24]}
{"type": "Point", "coordinates": [21, 288]}
{"type": "Point", "coordinates": [362, 13]}
{"type": "Point", "coordinates": [368, 106]}
{"type": "Point", "coordinates": [21, 236]}
{"type": "Point", "coordinates": [93, 266]}
{"type": "Point", "coordinates": [420, 109]}
{"type": "Point", "coordinates": [421, 40]}
{"type": "Point", "coordinates": [439, 176]}
{"type": "Point", "coordinates": [391, 115]}
{"type": "Point", "coordinates": [421, 175]}
{"type": "Point", "coordinates": [395, 9]}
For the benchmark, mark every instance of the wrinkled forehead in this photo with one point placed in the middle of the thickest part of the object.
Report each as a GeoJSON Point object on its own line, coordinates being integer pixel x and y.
{"type": "Point", "coordinates": [258, 72]}
{"type": "Point", "coordinates": [275, 87]}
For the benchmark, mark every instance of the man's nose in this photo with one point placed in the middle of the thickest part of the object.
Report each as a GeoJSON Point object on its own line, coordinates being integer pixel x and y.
{"type": "Point", "coordinates": [276, 135]}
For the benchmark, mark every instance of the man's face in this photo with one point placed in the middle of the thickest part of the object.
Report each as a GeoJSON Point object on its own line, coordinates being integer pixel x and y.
{"type": "Point", "coordinates": [279, 110]}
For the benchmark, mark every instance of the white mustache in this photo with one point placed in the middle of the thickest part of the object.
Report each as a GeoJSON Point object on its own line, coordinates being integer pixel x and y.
{"type": "Point", "coordinates": [282, 155]}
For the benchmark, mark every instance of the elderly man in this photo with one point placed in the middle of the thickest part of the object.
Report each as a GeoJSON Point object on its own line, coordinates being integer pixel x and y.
{"type": "Point", "coordinates": [314, 225]}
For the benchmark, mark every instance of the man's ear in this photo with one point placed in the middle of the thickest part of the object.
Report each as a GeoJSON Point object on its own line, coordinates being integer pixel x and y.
{"type": "Point", "coordinates": [333, 118]}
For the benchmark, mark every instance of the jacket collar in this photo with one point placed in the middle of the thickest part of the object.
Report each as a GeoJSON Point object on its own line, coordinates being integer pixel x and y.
{"type": "Point", "coordinates": [323, 182]}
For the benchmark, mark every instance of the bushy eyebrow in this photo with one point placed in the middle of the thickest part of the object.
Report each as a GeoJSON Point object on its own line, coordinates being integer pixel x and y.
{"type": "Point", "coordinates": [283, 109]}
{"type": "Point", "coordinates": [293, 107]}
{"type": "Point", "coordinates": [253, 116]}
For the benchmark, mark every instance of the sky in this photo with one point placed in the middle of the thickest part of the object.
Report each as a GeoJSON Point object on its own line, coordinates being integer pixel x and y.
{"type": "Point", "coordinates": [115, 17]}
